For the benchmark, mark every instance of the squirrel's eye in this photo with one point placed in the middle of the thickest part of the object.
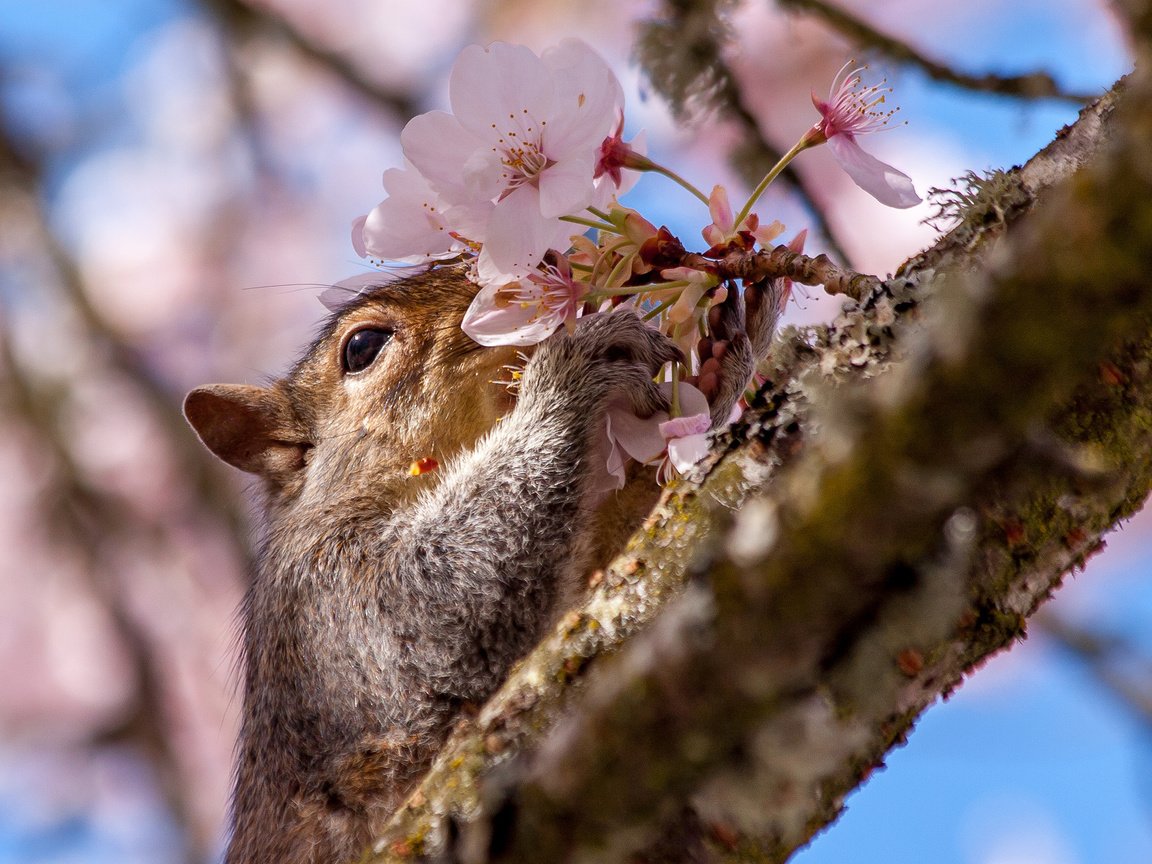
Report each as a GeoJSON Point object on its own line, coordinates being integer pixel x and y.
{"type": "Point", "coordinates": [362, 348]}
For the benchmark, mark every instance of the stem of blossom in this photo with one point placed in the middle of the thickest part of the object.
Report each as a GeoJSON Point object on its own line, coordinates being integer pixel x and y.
{"type": "Point", "coordinates": [661, 287]}
{"type": "Point", "coordinates": [801, 145]}
{"type": "Point", "coordinates": [598, 267]}
{"type": "Point", "coordinates": [702, 320]}
{"type": "Point", "coordinates": [676, 178]}
{"type": "Point", "coordinates": [617, 272]}
{"type": "Point", "coordinates": [599, 214]}
{"type": "Point", "coordinates": [658, 288]}
{"type": "Point", "coordinates": [605, 293]}
{"type": "Point", "coordinates": [663, 307]}
{"type": "Point", "coordinates": [674, 408]}
{"type": "Point", "coordinates": [590, 223]}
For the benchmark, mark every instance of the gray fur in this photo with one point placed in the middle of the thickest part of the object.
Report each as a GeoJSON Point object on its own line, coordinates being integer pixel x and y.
{"type": "Point", "coordinates": [368, 627]}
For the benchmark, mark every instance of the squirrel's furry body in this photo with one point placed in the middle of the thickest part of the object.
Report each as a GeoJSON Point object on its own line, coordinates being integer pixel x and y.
{"type": "Point", "coordinates": [383, 603]}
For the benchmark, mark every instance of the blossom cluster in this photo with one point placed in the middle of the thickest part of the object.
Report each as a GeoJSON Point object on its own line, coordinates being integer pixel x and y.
{"type": "Point", "coordinates": [521, 179]}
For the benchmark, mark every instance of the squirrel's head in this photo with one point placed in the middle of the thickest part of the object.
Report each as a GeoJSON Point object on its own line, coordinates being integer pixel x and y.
{"type": "Point", "coordinates": [391, 381]}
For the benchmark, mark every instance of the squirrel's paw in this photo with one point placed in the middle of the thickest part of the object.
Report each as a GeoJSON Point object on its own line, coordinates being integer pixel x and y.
{"type": "Point", "coordinates": [621, 337]}
{"type": "Point", "coordinates": [630, 353]}
{"type": "Point", "coordinates": [605, 355]}
{"type": "Point", "coordinates": [741, 330]}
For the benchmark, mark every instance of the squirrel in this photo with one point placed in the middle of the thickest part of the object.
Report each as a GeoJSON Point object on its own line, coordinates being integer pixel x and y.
{"type": "Point", "coordinates": [383, 604]}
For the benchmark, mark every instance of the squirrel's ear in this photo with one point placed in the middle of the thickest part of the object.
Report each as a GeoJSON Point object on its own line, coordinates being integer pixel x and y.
{"type": "Point", "coordinates": [251, 428]}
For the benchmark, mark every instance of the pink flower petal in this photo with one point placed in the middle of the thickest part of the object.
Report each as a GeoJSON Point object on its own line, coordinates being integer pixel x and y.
{"type": "Point", "coordinates": [720, 210]}
{"type": "Point", "coordinates": [492, 319]}
{"type": "Point", "coordinates": [518, 236]}
{"type": "Point", "coordinates": [469, 220]}
{"type": "Point", "coordinates": [687, 305]}
{"type": "Point", "coordinates": [439, 147]}
{"type": "Point", "coordinates": [408, 225]}
{"type": "Point", "coordinates": [878, 179]}
{"type": "Point", "coordinates": [481, 176]}
{"type": "Point", "coordinates": [692, 401]}
{"type": "Point", "coordinates": [765, 234]}
{"type": "Point", "coordinates": [588, 96]}
{"type": "Point", "coordinates": [500, 89]}
{"type": "Point", "coordinates": [680, 427]}
{"type": "Point", "coordinates": [687, 435]}
{"type": "Point", "coordinates": [358, 236]}
{"type": "Point", "coordinates": [489, 274]}
{"type": "Point", "coordinates": [687, 451]}
{"type": "Point", "coordinates": [612, 476]}
{"type": "Point", "coordinates": [566, 188]}
{"type": "Point", "coordinates": [639, 437]}
{"type": "Point", "coordinates": [643, 438]}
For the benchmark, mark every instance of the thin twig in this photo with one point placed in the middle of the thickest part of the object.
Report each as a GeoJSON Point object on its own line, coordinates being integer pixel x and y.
{"type": "Point", "coordinates": [778, 263]}
{"type": "Point", "coordinates": [762, 151]}
{"type": "Point", "coordinates": [1033, 85]}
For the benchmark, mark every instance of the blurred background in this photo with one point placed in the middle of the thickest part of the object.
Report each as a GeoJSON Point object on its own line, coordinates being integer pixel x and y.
{"type": "Point", "coordinates": [177, 182]}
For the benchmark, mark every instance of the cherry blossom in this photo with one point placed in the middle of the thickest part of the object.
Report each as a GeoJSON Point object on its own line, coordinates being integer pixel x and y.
{"type": "Point", "coordinates": [615, 154]}
{"type": "Point", "coordinates": [532, 155]}
{"type": "Point", "coordinates": [687, 439]}
{"type": "Point", "coordinates": [724, 229]}
{"type": "Point", "coordinates": [647, 439]}
{"type": "Point", "coordinates": [849, 112]}
{"type": "Point", "coordinates": [410, 225]}
{"type": "Point", "coordinates": [528, 310]}
{"type": "Point", "coordinates": [699, 282]}
{"type": "Point", "coordinates": [625, 436]}
{"type": "Point", "coordinates": [523, 134]}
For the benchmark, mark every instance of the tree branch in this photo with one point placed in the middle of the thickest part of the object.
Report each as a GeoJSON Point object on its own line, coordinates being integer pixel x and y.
{"type": "Point", "coordinates": [771, 658]}
{"type": "Point", "coordinates": [1033, 85]}
{"type": "Point", "coordinates": [778, 263]}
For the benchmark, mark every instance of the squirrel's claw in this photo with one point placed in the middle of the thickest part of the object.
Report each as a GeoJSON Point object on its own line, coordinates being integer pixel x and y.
{"type": "Point", "coordinates": [740, 333]}
{"type": "Point", "coordinates": [763, 303]}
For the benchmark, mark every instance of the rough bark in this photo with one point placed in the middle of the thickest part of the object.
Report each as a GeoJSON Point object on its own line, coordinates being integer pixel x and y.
{"type": "Point", "coordinates": [914, 481]}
